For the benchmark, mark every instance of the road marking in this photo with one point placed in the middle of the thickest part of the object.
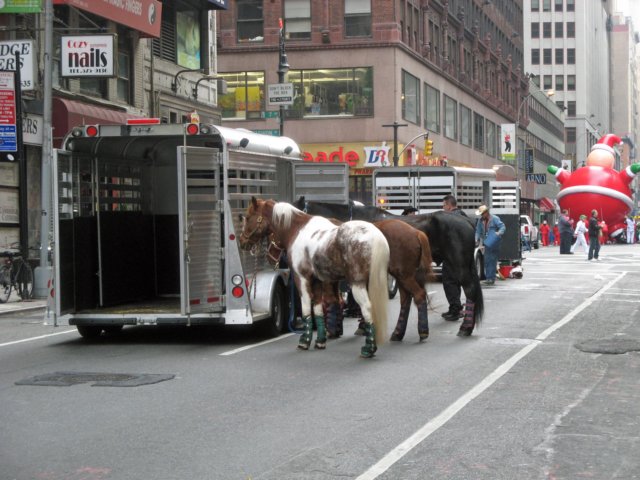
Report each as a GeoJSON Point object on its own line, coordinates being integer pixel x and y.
{"type": "Point", "coordinates": [434, 424]}
{"type": "Point", "coordinates": [15, 342]}
{"type": "Point", "coordinates": [242, 349]}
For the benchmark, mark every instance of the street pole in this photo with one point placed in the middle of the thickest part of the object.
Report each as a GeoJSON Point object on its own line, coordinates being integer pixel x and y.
{"type": "Point", "coordinates": [395, 126]}
{"type": "Point", "coordinates": [43, 271]}
{"type": "Point", "coordinates": [283, 68]}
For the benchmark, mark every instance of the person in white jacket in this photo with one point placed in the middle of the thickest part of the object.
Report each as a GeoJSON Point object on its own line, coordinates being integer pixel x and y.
{"type": "Point", "coordinates": [579, 232]}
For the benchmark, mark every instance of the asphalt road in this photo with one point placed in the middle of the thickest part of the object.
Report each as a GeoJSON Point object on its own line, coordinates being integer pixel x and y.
{"type": "Point", "coordinates": [540, 391]}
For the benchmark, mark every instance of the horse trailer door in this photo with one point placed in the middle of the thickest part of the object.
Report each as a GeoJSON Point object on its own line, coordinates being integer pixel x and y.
{"type": "Point", "coordinates": [505, 203]}
{"type": "Point", "coordinates": [201, 223]}
{"type": "Point", "coordinates": [321, 182]}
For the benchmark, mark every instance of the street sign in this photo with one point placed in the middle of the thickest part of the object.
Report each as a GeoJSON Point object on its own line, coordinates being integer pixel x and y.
{"type": "Point", "coordinates": [539, 178]}
{"type": "Point", "coordinates": [528, 160]}
{"type": "Point", "coordinates": [270, 114]}
{"type": "Point", "coordinates": [8, 130]}
{"type": "Point", "coordinates": [280, 94]}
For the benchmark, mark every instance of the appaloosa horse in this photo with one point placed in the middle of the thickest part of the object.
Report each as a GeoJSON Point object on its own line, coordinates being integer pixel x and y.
{"type": "Point", "coordinates": [451, 237]}
{"type": "Point", "coordinates": [321, 254]}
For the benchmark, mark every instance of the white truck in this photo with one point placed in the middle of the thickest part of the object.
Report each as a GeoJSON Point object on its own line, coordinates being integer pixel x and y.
{"type": "Point", "coordinates": [396, 188]}
{"type": "Point", "coordinates": [146, 218]}
{"type": "Point", "coordinates": [529, 231]}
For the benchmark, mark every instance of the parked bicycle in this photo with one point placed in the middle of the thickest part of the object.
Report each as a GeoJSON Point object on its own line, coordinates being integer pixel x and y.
{"type": "Point", "coordinates": [15, 273]}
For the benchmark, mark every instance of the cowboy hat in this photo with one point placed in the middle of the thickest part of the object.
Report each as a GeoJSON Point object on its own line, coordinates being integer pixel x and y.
{"type": "Point", "coordinates": [482, 209]}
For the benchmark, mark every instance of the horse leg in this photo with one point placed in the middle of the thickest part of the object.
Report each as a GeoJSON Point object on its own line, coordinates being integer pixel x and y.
{"type": "Point", "coordinates": [469, 321]}
{"type": "Point", "coordinates": [362, 297]}
{"type": "Point", "coordinates": [403, 317]}
{"type": "Point", "coordinates": [307, 320]}
{"type": "Point", "coordinates": [325, 292]}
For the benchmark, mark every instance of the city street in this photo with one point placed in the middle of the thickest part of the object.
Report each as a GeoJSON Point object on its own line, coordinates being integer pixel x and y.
{"type": "Point", "coordinates": [546, 388]}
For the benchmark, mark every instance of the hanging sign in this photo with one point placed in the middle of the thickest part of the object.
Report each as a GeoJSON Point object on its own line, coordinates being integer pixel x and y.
{"type": "Point", "coordinates": [87, 56]}
{"type": "Point", "coordinates": [8, 132]}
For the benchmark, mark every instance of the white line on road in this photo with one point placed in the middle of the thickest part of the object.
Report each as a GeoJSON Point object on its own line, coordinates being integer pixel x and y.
{"type": "Point", "coordinates": [434, 424]}
{"type": "Point", "coordinates": [30, 339]}
{"type": "Point", "coordinates": [247, 347]}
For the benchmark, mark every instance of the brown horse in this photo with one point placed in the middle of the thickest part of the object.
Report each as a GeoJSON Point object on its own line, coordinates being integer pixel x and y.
{"type": "Point", "coordinates": [321, 254]}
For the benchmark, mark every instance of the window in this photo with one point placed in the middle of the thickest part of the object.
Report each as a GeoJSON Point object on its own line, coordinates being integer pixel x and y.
{"type": "Point", "coordinates": [535, 5]}
{"type": "Point", "coordinates": [410, 98]}
{"type": "Point", "coordinates": [95, 86]}
{"type": "Point", "coordinates": [559, 83]}
{"type": "Point", "coordinates": [571, 6]}
{"type": "Point", "coordinates": [250, 21]}
{"type": "Point", "coordinates": [357, 18]}
{"type": "Point", "coordinates": [188, 32]}
{"type": "Point", "coordinates": [245, 96]}
{"type": "Point", "coordinates": [571, 56]}
{"type": "Point", "coordinates": [297, 19]}
{"type": "Point", "coordinates": [431, 108]}
{"type": "Point", "coordinates": [570, 134]}
{"type": "Point", "coordinates": [558, 6]}
{"type": "Point", "coordinates": [559, 56]}
{"type": "Point", "coordinates": [332, 91]}
{"type": "Point", "coordinates": [535, 30]}
{"type": "Point", "coordinates": [546, 56]}
{"type": "Point", "coordinates": [546, 29]}
{"type": "Point", "coordinates": [559, 30]}
{"type": "Point", "coordinates": [547, 82]}
{"type": "Point", "coordinates": [571, 83]}
{"type": "Point", "coordinates": [491, 138]}
{"type": "Point", "coordinates": [123, 82]}
{"type": "Point", "coordinates": [465, 126]}
{"type": "Point", "coordinates": [478, 132]}
{"type": "Point", "coordinates": [571, 29]}
{"type": "Point", "coordinates": [546, 5]}
{"type": "Point", "coordinates": [571, 108]}
{"type": "Point", "coordinates": [450, 118]}
{"type": "Point", "coordinates": [535, 56]}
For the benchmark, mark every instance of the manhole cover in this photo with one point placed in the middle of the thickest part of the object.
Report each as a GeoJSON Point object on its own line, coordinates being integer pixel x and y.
{"type": "Point", "coordinates": [66, 379]}
{"type": "Point", "coordinates": [609, 345]}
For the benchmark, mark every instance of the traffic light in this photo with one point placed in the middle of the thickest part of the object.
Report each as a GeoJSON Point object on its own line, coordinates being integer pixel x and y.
{"type": "Point", "coordinates": [428, 148]}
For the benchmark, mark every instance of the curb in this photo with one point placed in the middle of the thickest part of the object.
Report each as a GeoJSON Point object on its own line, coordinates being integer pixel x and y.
{"type": "Point", "coordinates": [21, 308]}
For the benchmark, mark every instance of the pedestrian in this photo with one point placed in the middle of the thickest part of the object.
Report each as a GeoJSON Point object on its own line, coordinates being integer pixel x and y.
{"type": "Point", "coordinates": [490, 230]}
{"type": "Point", "coordinates": [410, 211]}
{"type": "Point", "coordinates": [450, 283]}
{"type": "Point", "coordinates": [595, 231]}
{"type": "Point", "coordinates": [604, 232]}
{"type": "Point", "coordinates": [566, 232]}
{"type": "Point", "coordinates": [556, 235]}
{"type": "Point", "coordinates": [631, 229]}
{"type": "Point", "coordinates": [544, 233]}
{"type": "Point", "coordinates": [579, 232]}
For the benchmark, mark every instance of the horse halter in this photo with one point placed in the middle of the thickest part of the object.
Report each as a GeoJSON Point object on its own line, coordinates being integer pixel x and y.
{"type": "Point", "coordinates": [274, 252]}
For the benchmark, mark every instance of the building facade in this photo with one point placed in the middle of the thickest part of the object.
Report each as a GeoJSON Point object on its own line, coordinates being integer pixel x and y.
{"type": "Point", "coordinates": [452, 69]}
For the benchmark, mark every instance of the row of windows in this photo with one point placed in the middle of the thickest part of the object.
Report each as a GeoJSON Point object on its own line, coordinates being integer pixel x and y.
{"type": "Point", "coordinates": [569, 5]}
{"type": "Point", "coordinates": [561, 81]}
{"type": "Point", "coordinates": [297, 19]}
{"type": "Point", "coordinates": [317, 93]}
{"type": "Point", "coordinates": [559, 29]}
{"type": "Point", "coordinates": [548, 56]}
{"type": "Point", "coordinates": [458, 122]}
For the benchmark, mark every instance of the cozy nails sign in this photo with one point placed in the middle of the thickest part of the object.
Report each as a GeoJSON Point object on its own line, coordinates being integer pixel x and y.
{"type": "Point", "coordinates": [88, 56]}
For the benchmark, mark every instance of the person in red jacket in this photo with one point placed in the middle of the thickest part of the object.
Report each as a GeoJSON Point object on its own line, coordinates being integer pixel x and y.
{"type": "Point", "coordinates": [544, 233]}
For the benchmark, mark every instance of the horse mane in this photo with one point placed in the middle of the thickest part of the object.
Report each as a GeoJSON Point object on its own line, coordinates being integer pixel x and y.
{"type": "Point", "coordinates": [283, 213]}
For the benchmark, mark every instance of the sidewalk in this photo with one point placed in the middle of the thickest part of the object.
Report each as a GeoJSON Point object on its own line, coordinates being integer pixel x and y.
{"type": "Point", "coordinates": [15, 304]}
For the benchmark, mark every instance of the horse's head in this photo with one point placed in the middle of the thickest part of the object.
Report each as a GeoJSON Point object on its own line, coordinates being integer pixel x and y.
{"type": "Point", "coordinates": [255, 224]}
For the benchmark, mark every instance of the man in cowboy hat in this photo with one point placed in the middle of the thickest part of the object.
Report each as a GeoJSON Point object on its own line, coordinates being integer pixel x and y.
{"type": "Point", "coordinates": [490, 230]}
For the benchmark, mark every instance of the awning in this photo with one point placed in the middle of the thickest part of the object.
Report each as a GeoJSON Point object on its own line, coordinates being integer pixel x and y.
{"type": "Point", "coordinates": [67, 114]}
{"type": "Point", "coordinates": [546, 204]}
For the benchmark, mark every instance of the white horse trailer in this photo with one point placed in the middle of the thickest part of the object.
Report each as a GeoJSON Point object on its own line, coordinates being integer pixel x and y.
{"type": "Point", "coordinates": [145, 225]}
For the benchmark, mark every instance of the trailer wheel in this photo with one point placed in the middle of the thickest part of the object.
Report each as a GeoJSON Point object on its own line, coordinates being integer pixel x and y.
{"type": "Point", "coordinates": [392, 286]}
{"type": "Point", "coordinates": [89, 331]}
{"type": "Point", "coordinates": [277, 323]}
{"type": "Point", "coordinates": [113, 329]}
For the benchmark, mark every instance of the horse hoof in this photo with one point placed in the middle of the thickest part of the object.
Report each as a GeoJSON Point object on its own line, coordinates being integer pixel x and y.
{"type": "Point", "coordinates": [366, 352]}
{"type": "Point", "coordinates": [303, 346]}
{"type": "Point", "coordinates": [359, 332]}
{"type": "Point", "coordinates": [367, 355]}
{"type": "Point", "coordinates": [423, 336]}
{"type": "Point", "coordinates": [465, 332]}
{"type": "Point", "coordinates": [395, 337]}
{"type": "Point", "coordinates": [320, 346]}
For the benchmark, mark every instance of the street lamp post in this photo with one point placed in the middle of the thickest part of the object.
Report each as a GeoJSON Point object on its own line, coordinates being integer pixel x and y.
{"type": "Point", "coordinates": [283, 68]}
{"type": "Point", "coordinates": [395, 126]}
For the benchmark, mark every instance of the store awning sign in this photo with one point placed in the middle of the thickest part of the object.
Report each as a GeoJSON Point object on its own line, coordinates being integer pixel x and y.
{"type": "Point", "coordinates": [8, 131]}
{"type": "Point", "coordinates": [87, 56]}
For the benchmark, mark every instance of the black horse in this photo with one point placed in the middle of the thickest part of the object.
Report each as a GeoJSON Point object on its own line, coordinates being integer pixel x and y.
{"type": "Point", "coordinates": [452, 240]}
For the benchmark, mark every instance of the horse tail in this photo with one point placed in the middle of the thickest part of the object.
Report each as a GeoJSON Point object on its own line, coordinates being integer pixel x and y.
{"type": "Point", "coordinates": [476, 295]}
{"type": "Point", "coordinates": [378, 287]}
{"type": "Point", "coordinates": [426, 260]}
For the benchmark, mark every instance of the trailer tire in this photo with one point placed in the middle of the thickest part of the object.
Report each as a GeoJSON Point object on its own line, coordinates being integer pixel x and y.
{"type": "Point", "coordinates": [278, 321]}
{"type": "Point", "coordinates": [89, 331]}
{"type": "Point", "coordinates": [113, 329]}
